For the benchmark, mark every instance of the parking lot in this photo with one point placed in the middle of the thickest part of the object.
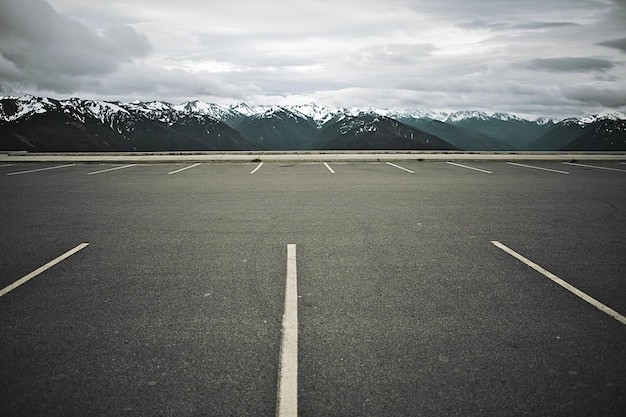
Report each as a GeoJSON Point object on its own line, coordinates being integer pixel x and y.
{"type": "Point", "coordinates": [162, 288]}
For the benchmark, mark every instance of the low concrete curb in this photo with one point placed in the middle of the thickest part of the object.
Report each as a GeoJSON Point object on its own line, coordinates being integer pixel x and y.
{"type": "Point", "coordinates": [207, 157]}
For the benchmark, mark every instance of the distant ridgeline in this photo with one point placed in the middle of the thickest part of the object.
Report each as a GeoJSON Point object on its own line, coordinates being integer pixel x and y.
{"type": "Point", "coordinates": [39, 124]}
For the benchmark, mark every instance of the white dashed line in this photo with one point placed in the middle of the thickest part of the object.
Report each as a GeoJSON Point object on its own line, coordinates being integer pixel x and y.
{"type": "Point", "coordinates": [468, 167]}
{"type": "Point", "coordinates": [257, 168]}
{"type": "Point", "coordinates": [287, 397]}
{"type": "Point", "coordinates": [111, 169]}
{"type": "Point", "coordinates": [40, 169]}
{"type": "Point", "coordinates": [594, 166]}
{"type": "Point", "coordinates": [597, 304]}
{"type": "Point", "coordinates": [329, 168]}
{"type": "Point", "coordinates": [183, 169]}
{"type": "Point", "coordinates": [399, 167]}
{"type": "Point", "coordinates": [39, 270]}
{"type": "Point", "coordinates": [541, 168]}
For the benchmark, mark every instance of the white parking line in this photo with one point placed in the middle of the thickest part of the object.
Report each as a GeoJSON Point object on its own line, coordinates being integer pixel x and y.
{"type": "Point", "coordinates": [468, 167]}
{"type": "Point", "coordinates": [39, 270]}
{"type": "Point", "coordinates": [6, 165]}
{"type": "Point", "coordinates": [399, 167]}
{"type": "Point", "coordinates": [541, 168]}
{"type": "Point", "coordinates": [595, 166]}
{"type": "Point", "coordinates": [257, 168]}
{"type": "Point", "coordinates": [183, 169]}
{"type": "Point", "coordinates": [287, 396]}
{"type": "Point", "coordinates": [111, 169]}
{"type": "Point", "coordinates": [40, 169]}
{"type": "Point", "coordinates": [329, 168]}
{"type": "Point", "coordinates": [597, 304]}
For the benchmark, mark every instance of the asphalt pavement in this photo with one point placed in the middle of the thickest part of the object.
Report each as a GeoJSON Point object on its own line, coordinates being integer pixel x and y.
{"type": "Point", "coordinates": [406, 307]}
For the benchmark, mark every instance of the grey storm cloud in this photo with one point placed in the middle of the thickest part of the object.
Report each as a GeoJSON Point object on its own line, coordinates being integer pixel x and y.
{"type": "Point", "coordinates": [447, 55]}
{"type": "Point", "coordinates": [571, 64]}
{"type": "Point", "coordinates": [611, 98]}
{"type": "Point", "coordinates": [545, 25]}
{"type": "Point", "coordinates": [530, 26]}
{"type": "Point", "coordinates": [42, 47]}
{"type": "Point", "coordinates": [619, 44]}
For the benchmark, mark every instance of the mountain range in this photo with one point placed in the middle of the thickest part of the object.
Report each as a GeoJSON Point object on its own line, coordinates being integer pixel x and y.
{"type": "Point", "coordinates": [40, 124]}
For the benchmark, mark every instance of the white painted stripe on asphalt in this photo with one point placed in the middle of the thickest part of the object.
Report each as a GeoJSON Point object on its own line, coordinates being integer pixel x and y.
{"type": "Point", "coordinates": [595, 166]}
{"type": "Point", "coordinates": [41, 269]}
{"type": "Point", "coordinates": [468, 167]}
{"type": "Point", "coordinates": [40, 169]}
{"type": "Point", "coordinates": [287, 401]}
{"type": "Point", "coordinates": [329, 168]}
{"type": "Point", "coordinates": [541, 168]}
{"type": "Point", "coordinates": [399, 167]}
{"type": "Point", "coordinates": [111, 169]}
{"type": "Point", "coordinates": [597, 304]}
{"type": "Point", "coordinates": [183, 169]}
{"type": "Point", "coordinates": [6, 165]}
{"type": "Point", "coordinates": [257, 168]}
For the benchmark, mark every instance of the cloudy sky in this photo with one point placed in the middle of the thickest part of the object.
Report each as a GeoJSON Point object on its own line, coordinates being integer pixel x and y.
{"type": "Point", "coordinates": [529, 57]}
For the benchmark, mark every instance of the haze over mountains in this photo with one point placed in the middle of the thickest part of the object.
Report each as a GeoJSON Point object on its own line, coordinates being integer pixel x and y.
{"type": "Point", "coordinates": [38, 124]}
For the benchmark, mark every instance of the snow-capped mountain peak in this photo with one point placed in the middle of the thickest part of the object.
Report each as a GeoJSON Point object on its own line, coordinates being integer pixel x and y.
{"type": "Point", "coordinates": [543, 121]}
{"type": "Point", "coordinates": [154, 110]}
{"type": "Point", "coordinates": [505, 117]}
{"type": "Point", "coordinates": [466, 114]}
{"type": "Point", "coordinates": [414, 114]}
{"type": "Point", "coordinates": [247, 110]}
{"type": "Point", "coordinates": [25, 107]}
{"type": "Point", "coordinates": [319, 114]}
{"type": "Point", "coordinates": [590, 119]}
{"type": "Point", "coordinates": [96, 109]}
{"type": "Point", "coordinates": [601, 116]}
{"type": "Point", "coordinates": [202, 108]}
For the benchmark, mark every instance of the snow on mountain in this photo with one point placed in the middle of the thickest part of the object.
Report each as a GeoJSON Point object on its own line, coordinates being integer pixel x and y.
{"type": "Point", "coordinates": [543, 121]}
{"type": "Point", "coordinates": [24, 107]}
{"type": "Point", "coordinates": [412, 113]}
{"type": "Point", "coordinates": [247, 110]}
{"type": "Point", "coordinates": [100, 110]}
{"type": "Point", "coordinates": [15, 108]}
{"type": "Point", "coordinates": [154, 110]}
{"type": "Point", "coordinates": [169, 113]}
{"type": "Point", "coordinates": [268, 112]}
{"type": "Point", "coordinates": [590, 119]}
{"type": "Point", "coordinates": [601, 116]}
{"type": "Point", "coordinates": [319, 114]}
{"type": "Point", "coordinates": [505, 117]}
{"type": "Point", "coordinates": [359, 111]}
{"type": "Point", "coordinates": [466, 114]}
{"type": "Point", "coordinates": [148, 106]}
{"type": "Point", "coordinates": [276, 112]}
{"type": "Point", "coordinates": [352, 123]}
{"type": "Point", "coordinates": [203, 108]}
